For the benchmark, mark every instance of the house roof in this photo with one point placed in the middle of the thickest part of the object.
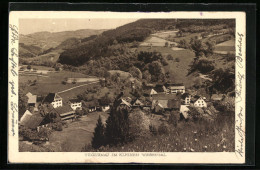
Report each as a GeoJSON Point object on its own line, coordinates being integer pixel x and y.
{"type": "Point", "coordinates": [26, 115]}
{"type": "Point", "coordinates": [217, 96]}
{"type": "Point", "coordinates": [50, 97]}
{"type": "Point", "coordinates": [64, 109]}
{"type": "Point", "coordinates": [184, 111]}
{"type": "Point", "coordinates": [124, 102]}
{"type": "Point", "coordinates": [137, 102]}
{"type": "Point", "coordinates": [33, 121]}
{"type": "Point", "coordinates": [164, 96]}
{"type": "Point", "coordinates": [159, 88]}
{"type": "Point", "coordinates": [167, 104]}
{"type": "Point", "coordinates": [29, 94]}
{"type": "Point", "coordinates": [173, 104]}
{"type": "Point", "coordinates": [184, 95]}
{"type": "Point", "coordinates": [91, 104]}
{"type": "Point", "coordinates": [32, 99]}
{"type": "Point", "coordinates": [176, 87]}
{"type": "Point", "coordinates": [74, 100]}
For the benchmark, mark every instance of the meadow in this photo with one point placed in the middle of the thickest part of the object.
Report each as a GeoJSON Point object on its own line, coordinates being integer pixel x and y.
{"type": "Point", "coordinates": [200, 136]}
{"type": "Point", "coordinates": [51, 82]}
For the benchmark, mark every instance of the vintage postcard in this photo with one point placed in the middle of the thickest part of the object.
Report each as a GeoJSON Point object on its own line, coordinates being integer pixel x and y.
{"type": "Point", "coordinates": [121, 87]}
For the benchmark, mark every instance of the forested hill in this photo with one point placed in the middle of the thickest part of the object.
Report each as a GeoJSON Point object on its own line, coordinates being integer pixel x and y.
{"type": "Point", "coordinates": [99, 47]}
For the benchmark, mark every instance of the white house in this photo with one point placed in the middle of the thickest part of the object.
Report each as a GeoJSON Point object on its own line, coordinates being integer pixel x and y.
{"type": "Point", "coordinates": [199, 102]}
{"type": "Point", "coordinates": [175, 88]}
{"type": "Point", "coordinates": [26, 115]}
{"type": "Point", "coordinates": [75, 103]}
{"type": "Point", "coordinates": [184, 111]}
{"type": "Point", "coordinates": [54, 99]}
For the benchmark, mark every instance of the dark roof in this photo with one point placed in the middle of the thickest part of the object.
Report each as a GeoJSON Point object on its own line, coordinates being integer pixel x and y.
{"type": "Point", "coordinates": [64, 109]}
{"type": "Point", "coordinates": [173, 84]}
{"type": "Point", "coordinates": [50, 98]}
{"type": "Point", "coordinates": [174, 104]}
{"type": "Point", "coordinates": [34, 121]}
{"type": "Point", "coordinates": [91, 104]}
{"type": "Point", "coordinates": [75, 100]}
{"type": "Point", "coordinates": [184, 95]}
{"type": "Point", "coordinates": [164, 96]}
{"type": "Point", "coordinates": [159, 88]}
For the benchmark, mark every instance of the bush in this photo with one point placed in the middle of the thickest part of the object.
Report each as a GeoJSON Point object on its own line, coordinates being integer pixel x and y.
{"type": "Point", "coordinates": [163, 129]}
{"type": "Point", "coordinates": [64, 82]}
{"type": "Point", "coordinates": [57, 126]}
{"type": "Point", "coordinates": [177, 60]}
{"type": "Point", "coordinates": [169, 57]}
{"type": "Point", "coordinates": [173, 119]}
{"type": "Point", "coordinates": [153, 129]}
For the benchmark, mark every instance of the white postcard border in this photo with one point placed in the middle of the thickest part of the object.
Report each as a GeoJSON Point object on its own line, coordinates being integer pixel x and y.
{"type": "Point", "coordinates": [14, 156]}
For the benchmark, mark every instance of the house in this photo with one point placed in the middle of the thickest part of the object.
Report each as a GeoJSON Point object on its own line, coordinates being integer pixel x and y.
{"type": "Point", "coordinates": [186, 98]}
{"type": "Point", "coordinates": [166, 101]}
{"type": "Point", "coordinates": [91, 105]}
{"type": "Point", "coordinates": [75, 103]}
{"type": "Point", "coordinates": [26, 115]}
{"type": "Point", "coordinates": [105, 108]}
{"type": "Point", "coordinates": [160, 89]}
{"type": "Point", "coordinates": [174, 88]}
{"type": "Point", "coordinates": [199, 101]}
{"type": "Point", "coordinates": [54, 99]}
{"type": "Point", "coordinates": [32, 99]}
{"type": "Point", "coordinates": [184, 109]}
{"type": "Point", "coordinates": [217, 97]}
{"type": "Point", "coordinates": [137, 103]}
{"type": "Point", "coordinates": [65, 112]}
{"type": "Point", "coordinates": [32, 121]}
{"type": "Point", "coordinates": [165, 104]}
{"type": "Point", "coordinates": [124, 103]}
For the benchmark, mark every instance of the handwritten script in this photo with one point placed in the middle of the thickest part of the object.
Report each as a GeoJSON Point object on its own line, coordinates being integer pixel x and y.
{"type": "Point", "coordinates": [14, 37]}
{"type": "Point", "coordinates": [240, 78]}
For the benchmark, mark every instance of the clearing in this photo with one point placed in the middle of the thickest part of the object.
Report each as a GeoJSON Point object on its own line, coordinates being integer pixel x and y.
{"type": "Point", "coordinates": [70, 139]}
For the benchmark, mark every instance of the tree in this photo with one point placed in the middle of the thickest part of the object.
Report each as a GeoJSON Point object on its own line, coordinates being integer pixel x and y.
{"type": "Point", "coordinates": [156, 70]}
{"type": "Point", "coordinates": [22, 102]}
{"type": "Point", "coordinates": [98, 139]}
{"type": "Point", "coordinates": [29, 67]}
{"type": "Point", "coordinates": [166, 44]}
{"type": "Point", "coordinates": [147, 76]}
{"type": "Point", "coordinates": [117, 124]}
{"type": "Point", "coordinates": [135, 72]}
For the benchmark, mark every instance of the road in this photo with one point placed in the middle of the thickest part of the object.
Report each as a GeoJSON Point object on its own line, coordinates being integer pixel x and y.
{"type": "Point", "coordinates": [77, 87]}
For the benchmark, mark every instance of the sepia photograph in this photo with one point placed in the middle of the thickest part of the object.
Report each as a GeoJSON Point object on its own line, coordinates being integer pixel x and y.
{"type": "Point", "coordinates": [130, 85]}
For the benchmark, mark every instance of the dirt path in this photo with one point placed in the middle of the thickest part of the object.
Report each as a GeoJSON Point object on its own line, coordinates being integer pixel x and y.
{"type": "Point", "coordinates": [77, 87]}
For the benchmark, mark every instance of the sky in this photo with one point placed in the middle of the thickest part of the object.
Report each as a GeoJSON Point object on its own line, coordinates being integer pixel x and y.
{"type": "Point", "coordinates": [28, 26]}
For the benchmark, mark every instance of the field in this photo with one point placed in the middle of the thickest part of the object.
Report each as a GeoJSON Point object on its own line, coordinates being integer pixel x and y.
{"type": "Point", "coordinates": [178, 70]}
{"type": "Point", "coordinates": [52, 82]}
{"type": "Point", "coordinates": [165, 34]}
{"type": "Point", "coordinates": [70, 139]}
{"type": "Point", "coordinates": [155, 41]}
{"type": "Point", "coordinates": [225, 47]}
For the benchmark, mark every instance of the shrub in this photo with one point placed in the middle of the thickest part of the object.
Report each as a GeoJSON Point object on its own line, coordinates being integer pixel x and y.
{"type": "Point", "coordinates": [138, 124]}
{"type": "Point", "coordinates": [173, 119]}
{"type": "Point", "coordinates": [57, 126]}
{"type": "Point", "coordinates": [169, 57]}
{"type": "Point", "coordinates": [153, 129]}
{"type": "Point", "coordinates": [64, 82]}
{"type": "Point", "coordinates": [177, 60]}
{"type": "Point", "coordinates": [163, 129]}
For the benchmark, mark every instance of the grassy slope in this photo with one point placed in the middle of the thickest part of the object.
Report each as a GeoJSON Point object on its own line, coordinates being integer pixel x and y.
{"type": "Point", "coordinates": [178, 70]}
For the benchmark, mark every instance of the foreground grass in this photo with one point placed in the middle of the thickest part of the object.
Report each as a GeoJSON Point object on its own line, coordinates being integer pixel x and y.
{"type": "Point", "coordinates": [201, 136]}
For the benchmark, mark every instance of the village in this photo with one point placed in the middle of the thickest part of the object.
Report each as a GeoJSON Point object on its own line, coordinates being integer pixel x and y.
{"type": "Point", "coordinates": [51, 109]}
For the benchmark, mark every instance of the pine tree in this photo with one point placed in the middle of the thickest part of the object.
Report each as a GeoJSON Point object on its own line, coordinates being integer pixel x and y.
{"type": "Point", "coordinates": [99, 138]}
{"type": "Point", "coordinates": [117, 124]}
